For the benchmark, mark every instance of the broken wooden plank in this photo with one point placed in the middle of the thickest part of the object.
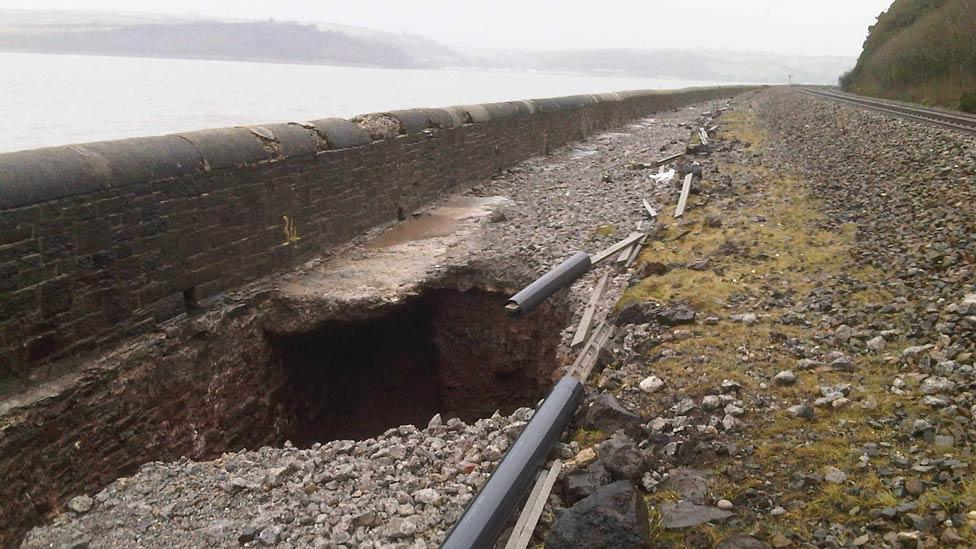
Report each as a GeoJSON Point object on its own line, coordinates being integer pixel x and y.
{"type": "Point", "coordinates": [625, 243]}
{"type": "Point", "coordinates": [540, 481]}
{"type": "Point", "coordinates": [587, 358]}
{"type": "Point", "coordinates": [536, 507]}
{"type": "Point", "coordinates": [599, 339]}
{"type": "Point", "coordinates": [647, 207]}
{"type": "Point", "coordinates": [635, 252]}
{"type": "Point", "coordinates": [667, 159]}
{"type": "Point", "coordinates": [683, 199]}
{"type": "Point", "coordinates": [625, 253]}
{"type": "Point", "coordinates": [584, 325]}
{"type": "Point", "coordinates": [703, 135]}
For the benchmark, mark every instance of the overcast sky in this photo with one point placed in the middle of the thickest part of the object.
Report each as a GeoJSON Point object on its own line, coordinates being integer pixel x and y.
{"type": "Point", "coordinates": [814, 27]}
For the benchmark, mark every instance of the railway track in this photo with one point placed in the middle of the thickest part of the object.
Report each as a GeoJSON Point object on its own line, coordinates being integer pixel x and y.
{"type": "Point", "coordinates": [956, 121]}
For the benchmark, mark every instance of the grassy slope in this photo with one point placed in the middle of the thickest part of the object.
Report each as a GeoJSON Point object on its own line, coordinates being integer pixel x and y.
{"type": "Point", "coordinates": [920, 50]}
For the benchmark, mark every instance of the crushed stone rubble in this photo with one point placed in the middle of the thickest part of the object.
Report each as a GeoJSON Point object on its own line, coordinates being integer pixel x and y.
{"type": "Point", "coordinates": [588, 196]}
{"type": "Point", "coordinates": [405, 488]}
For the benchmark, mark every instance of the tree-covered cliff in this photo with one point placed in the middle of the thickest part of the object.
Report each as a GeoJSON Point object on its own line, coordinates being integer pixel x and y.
{"type": "Point", "coordinates": [920, 50]}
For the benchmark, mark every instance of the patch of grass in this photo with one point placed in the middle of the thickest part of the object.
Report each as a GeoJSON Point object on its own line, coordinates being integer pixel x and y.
{"type": "Point", "coordinates": [662, 496]}
{"type": "Point", "coordinates": [605, 230]}
{"type": "Point", "coordinates": [745, 251]}
{"type": "Point", "coordinates": [588, 437]}
{"type": "Point", "coordinates": [950, 498]}
{"type": "Point", "coordinates": [740, 125]}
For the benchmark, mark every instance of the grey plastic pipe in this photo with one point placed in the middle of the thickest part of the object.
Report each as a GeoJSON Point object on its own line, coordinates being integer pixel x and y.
{"type": "Point", "coordinates": [489, 512]}
{"type": "Point", "coordinates": [549, 283]}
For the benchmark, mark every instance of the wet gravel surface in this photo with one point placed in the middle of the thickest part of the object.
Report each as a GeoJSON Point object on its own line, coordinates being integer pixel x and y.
{"type": "Point", "coordinates": [588, 196]}
{"type": "Point", "coordinates": [911, 190]}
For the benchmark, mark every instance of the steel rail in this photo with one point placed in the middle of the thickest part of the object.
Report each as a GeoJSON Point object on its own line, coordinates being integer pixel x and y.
{"type": "Point", "coordinates": [920, 114]}
{"type": "Point", "coordinates": [489, 512]}
{"type": "Point", "coordinates": [914, 110]}
{"type": "Point", "coordinates": [964, 118]}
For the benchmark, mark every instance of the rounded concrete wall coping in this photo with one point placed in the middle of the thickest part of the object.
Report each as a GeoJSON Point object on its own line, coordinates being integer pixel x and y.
{"type": "Point", "coordinates": [293, 139]}
{"type": "Point", "coordinates": [463, 113]}
{"type": "Point", "coordinates": [501, 110]}
{"type": "Point", "coordinates": [411, 120]}
{"type": "Point", "coordinates": [228, 147]}
{"type": "Point", "coordinates": [441, 119]}
{"type": "Point", "coordinates": [477, 113]}
{"type": "Point", "coordinates": [34, 176]}
{"type": "Point", "coordinates": [39, 175]}
{"type": "Point", "coordinates": [458, 115]}
{"type": "Point", "coordinates": [529, 106]}
{"type": "Point", "coordinates": [418, 120]}
{"type": "Point", "coordinates": [340, 133]}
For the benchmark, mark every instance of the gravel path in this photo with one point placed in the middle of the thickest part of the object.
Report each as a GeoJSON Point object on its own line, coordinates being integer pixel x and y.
{"type": "Point", "coordinates": [586, 197]}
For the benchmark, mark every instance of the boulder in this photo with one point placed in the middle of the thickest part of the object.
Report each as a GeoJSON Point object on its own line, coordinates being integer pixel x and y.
{"type": "Point", "coordinates": [937, 384]}
{"type": "Point", "coordinates": [968, 305]}
{"type": "Point", "coordinates": [786, 377]}
{"type": "Point", "coordinates": [584, 482]}
{"type": "Point", "coordinates": [646, 312]}
{"type": "Point", "coordinates": [676, 315]}
{"type": "Point", "coordinates": [614, 517]}
{"type": "Point", "coordinates": [877, 344]}
{"type": "Point", "coordinates": [689, 483]}
{"type": "Point", "coordinates": [81, 504]}
{"type": "Point", "coordinates": [684, 514]}
{"type": "Point", "coordinates": [621, 456]}
{"type": "Point", "coordinates": [607, 415]}
{"type": "Point", "coordinates": [636, 313]}
{"type": "Point", "coordinates": [834, 475]}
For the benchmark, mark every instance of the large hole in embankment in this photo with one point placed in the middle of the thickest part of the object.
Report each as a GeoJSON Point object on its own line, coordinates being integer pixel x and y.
{"type": "Point", "coordinates": [232, 385]}
{"type": "Point", "coordinates": [447, 351]}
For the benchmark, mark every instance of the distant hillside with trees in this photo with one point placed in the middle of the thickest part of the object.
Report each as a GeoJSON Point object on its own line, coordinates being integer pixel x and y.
{"type": "Point", "coordinates": [246, 41]}
{"type": "Point", "coordinates": [922, 51]}
{"type": "Point", "coordinates": [129, 34]}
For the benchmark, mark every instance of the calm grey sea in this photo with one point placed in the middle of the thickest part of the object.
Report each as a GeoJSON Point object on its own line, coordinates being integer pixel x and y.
{"type": "Point", "coordinates": [60, 99]}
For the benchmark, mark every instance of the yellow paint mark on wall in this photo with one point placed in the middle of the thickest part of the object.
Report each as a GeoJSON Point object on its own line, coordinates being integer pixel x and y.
{"type": "Point", "coordinates": [291, 232]}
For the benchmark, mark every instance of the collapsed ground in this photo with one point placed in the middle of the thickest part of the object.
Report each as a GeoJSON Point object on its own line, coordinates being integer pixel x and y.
{"type": "Point", "coordinates": [380, 296]}
{"type": "Point", "coordinates": [794, 363]}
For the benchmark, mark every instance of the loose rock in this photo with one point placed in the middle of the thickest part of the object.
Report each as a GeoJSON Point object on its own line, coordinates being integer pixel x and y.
{"type": "Point", "coordinates": [614, 517]}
